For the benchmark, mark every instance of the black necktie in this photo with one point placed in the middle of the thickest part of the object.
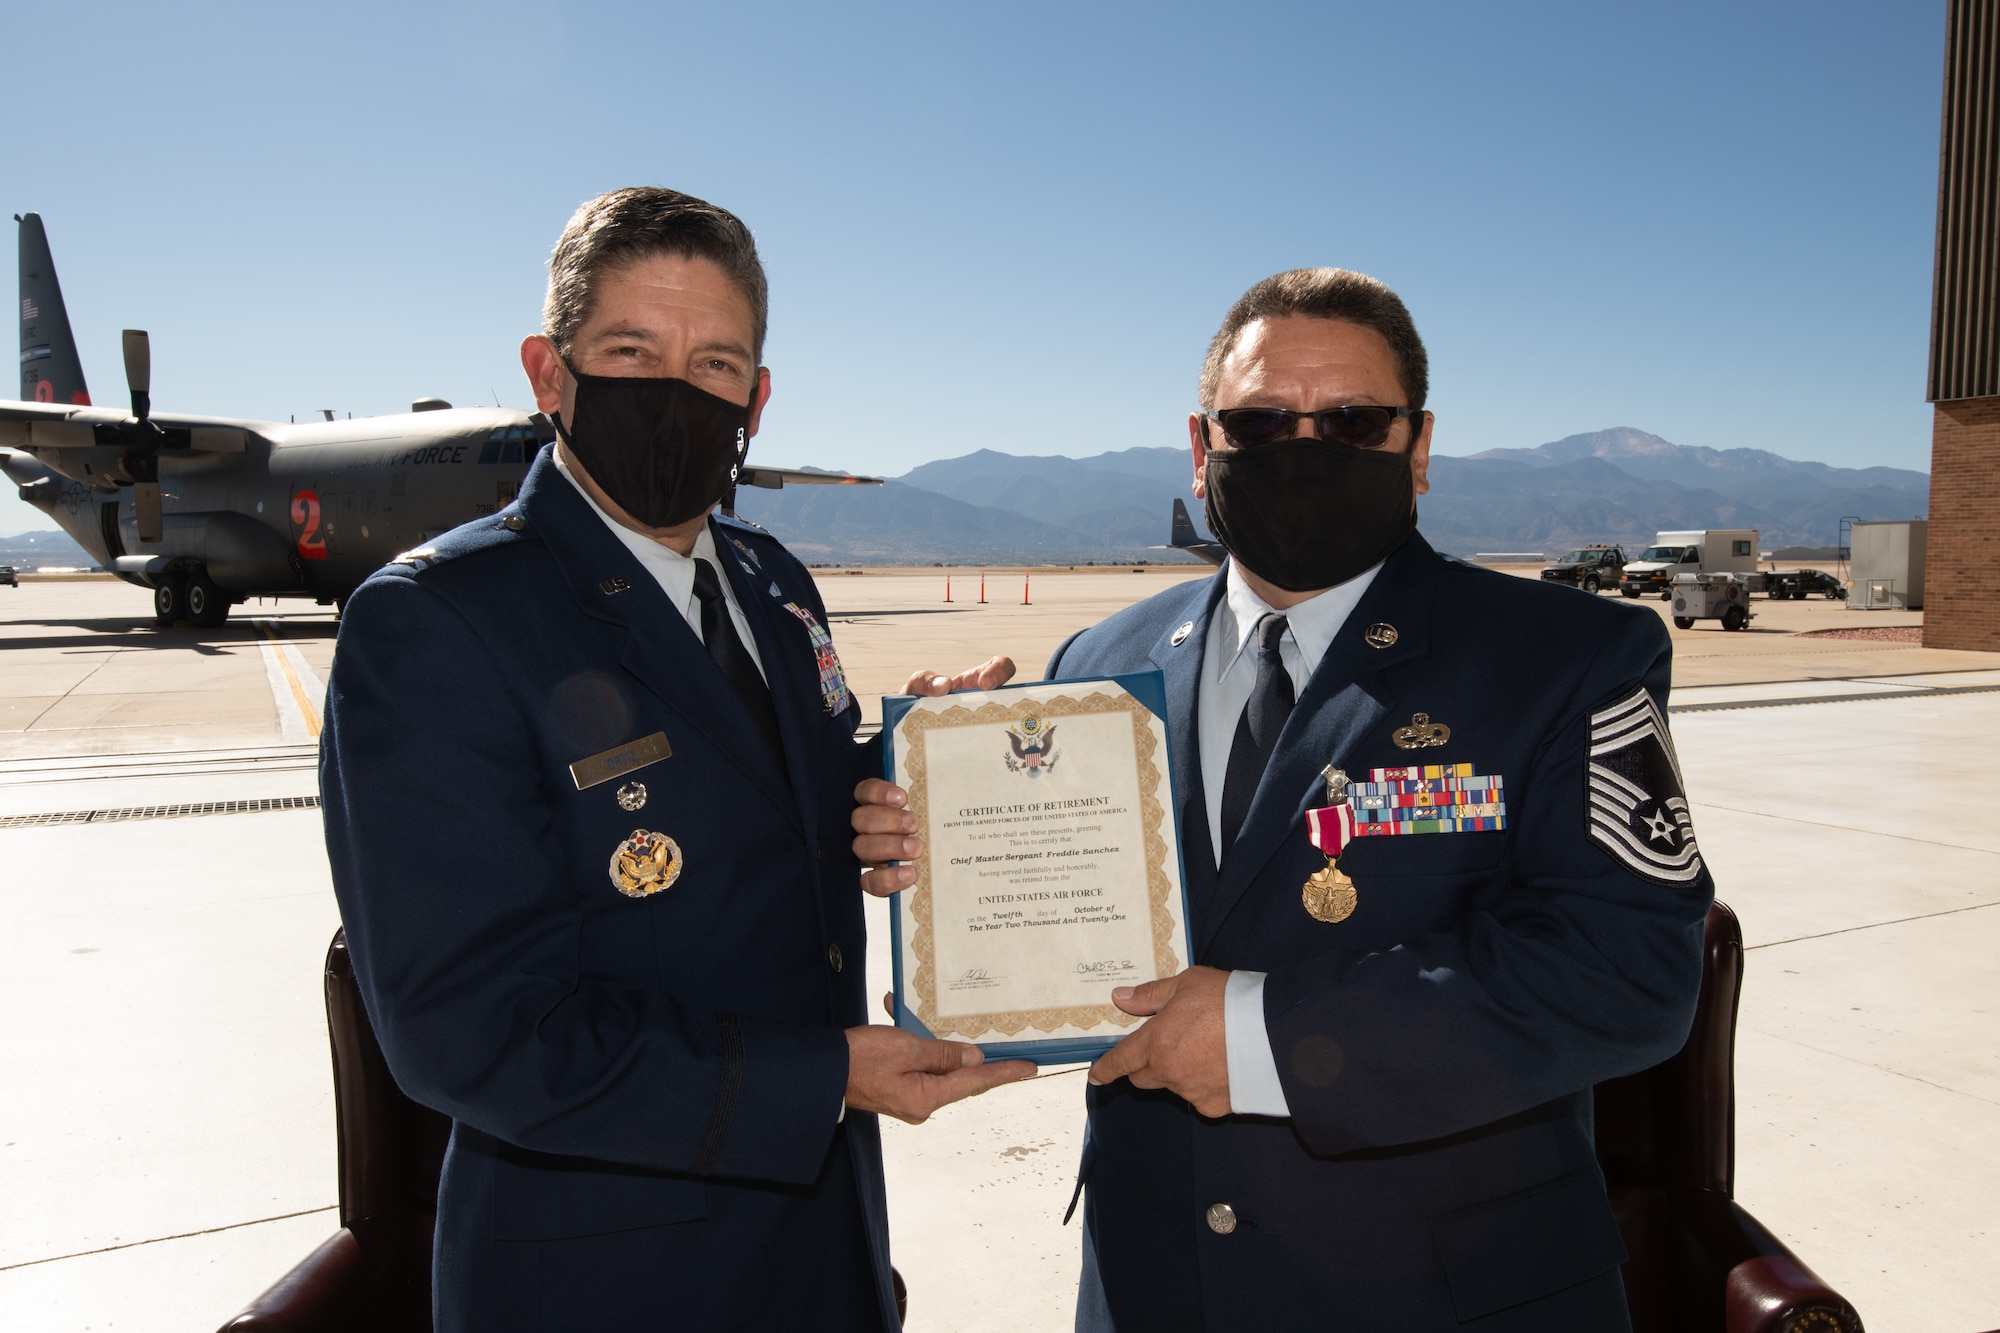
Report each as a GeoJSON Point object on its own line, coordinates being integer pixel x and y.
{"type": "Point", "coordinates": [718, 632]}
{"type": "Point", "coordinates": [1271, 700]}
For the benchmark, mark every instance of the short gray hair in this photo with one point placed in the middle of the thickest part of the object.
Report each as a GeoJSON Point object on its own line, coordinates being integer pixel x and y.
{"type": "Point", "coordinates": [636, 223]}
{"type": "Point", "coordinates": [1325, 293]}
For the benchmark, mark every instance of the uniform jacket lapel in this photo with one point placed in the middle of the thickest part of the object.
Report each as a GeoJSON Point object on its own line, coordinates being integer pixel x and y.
{"type": "Point", "coordinates": [1346, 699]}
{"type": "Point", "coordinates": [1180, 664]}
{"type": "Point", "coordinates": [658, 647]}
{"type": "Point", "coordinates": [794, 697]}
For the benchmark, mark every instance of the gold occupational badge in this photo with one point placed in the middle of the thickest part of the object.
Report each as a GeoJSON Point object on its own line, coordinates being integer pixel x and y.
{"type": "Point", "coordinates": [645, 864]}
{"type": "Point", "coordinates": [1329, 895]}
{"type": "Point", "coordinates": [1421, 734]}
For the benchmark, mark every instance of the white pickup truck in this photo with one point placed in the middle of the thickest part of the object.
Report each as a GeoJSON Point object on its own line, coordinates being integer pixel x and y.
{"type": "Point", "coordinates": [1698, 551]}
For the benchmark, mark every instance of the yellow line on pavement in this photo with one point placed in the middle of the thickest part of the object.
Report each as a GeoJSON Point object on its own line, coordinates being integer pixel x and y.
{"type": "Point", "coordinates": [306, 709]}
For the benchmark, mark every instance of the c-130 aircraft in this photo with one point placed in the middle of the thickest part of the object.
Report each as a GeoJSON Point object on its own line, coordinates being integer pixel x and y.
{"type": "Point", "coordinates": [208, 511]}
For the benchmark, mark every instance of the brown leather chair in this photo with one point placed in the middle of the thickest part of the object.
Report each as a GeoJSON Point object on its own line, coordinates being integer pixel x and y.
{"type": "Point", "coordinates": [374, 1274]}
{"type": "Point", "coordinates": [1666, 1138]}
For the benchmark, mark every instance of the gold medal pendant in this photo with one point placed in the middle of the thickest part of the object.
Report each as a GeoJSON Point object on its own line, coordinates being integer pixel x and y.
{"type": "Point", "coordinates": [645, 864]}
{"type": "Point", "coordinates": [1329, 895]}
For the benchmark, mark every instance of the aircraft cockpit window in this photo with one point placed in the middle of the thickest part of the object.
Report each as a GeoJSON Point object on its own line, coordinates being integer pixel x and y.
{"type": "Point", "coordinates": [507, 444]}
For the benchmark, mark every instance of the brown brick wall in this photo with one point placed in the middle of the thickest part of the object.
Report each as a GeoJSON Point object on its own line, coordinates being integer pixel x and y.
{"type": "Point", "coordinates": [1962, 566]}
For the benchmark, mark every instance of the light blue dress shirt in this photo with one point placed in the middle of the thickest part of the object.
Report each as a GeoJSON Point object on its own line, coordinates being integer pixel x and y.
{"type": "Point", "coordinates": [1228, 673]}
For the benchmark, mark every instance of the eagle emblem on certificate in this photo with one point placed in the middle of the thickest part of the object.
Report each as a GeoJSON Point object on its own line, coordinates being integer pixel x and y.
{"type": "Point", "coordinates": [1633, 798]}
{"type": "Point", "coordinates": [1035, 899]}
{"type": "Point", "coordinates": [1034, 745]}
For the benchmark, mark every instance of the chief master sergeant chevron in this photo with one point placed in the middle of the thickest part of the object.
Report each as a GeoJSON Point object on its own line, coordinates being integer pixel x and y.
{"type": "Point", "coordinates": [1441, 874]}
{"type": "Point", "coordinates": [587, 770]}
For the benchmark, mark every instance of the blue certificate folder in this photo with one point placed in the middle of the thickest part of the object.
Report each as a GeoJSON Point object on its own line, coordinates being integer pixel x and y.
{"type": "Point", "coordinates": [1149, 688]}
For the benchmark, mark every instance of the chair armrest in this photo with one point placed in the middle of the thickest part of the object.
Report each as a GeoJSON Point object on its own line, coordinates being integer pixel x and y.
{"type": "Point", "coordinates": [321, 1295]}
{"type": "Point", "coordinates": [1775, 1293]}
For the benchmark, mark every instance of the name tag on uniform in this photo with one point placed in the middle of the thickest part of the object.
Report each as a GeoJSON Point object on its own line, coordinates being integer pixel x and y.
{"type": "Point", "coordinates": [620, 760]}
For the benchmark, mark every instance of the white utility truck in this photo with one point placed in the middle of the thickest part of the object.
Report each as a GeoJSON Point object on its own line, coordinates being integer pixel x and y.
{"type": "Point", "coordinates": [1699, 551]}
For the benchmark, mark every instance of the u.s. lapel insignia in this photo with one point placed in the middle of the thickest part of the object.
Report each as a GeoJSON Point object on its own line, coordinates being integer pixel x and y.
{"type": "Point", "coordinates": [1381, 634]}
{"type": "Point", "coordinates": [1421, 734]}
{"type": "Point", "coordinates": [611, 586]}
{"type": "Point", "coordinates": [645, 864]}
{"type": "Point", "coordinates": [1181, 634]}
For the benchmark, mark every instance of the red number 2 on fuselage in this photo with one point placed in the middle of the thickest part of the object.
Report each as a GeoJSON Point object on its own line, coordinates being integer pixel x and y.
{"type": "Point", "coordinates": [305, 513]}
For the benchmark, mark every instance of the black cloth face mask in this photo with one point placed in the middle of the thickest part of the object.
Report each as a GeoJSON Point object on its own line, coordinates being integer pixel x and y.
{"type": "Point", "coordinates": [1305, 514]}
{"type": "Point", "coordinates": [663, 449]}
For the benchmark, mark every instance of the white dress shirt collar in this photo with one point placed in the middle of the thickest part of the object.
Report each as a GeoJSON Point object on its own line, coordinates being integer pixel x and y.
{"type": "Point", "coordinates": [1311, 624]}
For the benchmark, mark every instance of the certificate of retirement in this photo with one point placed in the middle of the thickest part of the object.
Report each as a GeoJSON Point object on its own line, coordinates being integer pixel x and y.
{"type": "Point", "coordinates": [1051, 870]}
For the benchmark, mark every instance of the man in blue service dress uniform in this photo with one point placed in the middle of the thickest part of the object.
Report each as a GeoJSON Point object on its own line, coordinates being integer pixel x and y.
{"type": "Point", "coordinates": [1442, 878]}
{"type": "Point", "coordinates": [587, 773]}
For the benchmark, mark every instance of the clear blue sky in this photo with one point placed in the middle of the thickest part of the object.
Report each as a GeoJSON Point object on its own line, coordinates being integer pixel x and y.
{"type": "Point", "coordinates": [1015, 226]}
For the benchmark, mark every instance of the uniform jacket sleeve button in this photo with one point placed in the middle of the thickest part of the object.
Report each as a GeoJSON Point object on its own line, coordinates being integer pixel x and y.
{"type": "Point", "coordinates": [833, 958]}
{"type": "Point", "coordinates": [1221, 1218]}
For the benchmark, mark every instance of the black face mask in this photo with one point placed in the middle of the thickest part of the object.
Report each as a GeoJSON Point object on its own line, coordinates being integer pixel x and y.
{"type": "Point", "coordinates": [664, 450]}
{"type": "Point", "coordinates": [1306, 514]}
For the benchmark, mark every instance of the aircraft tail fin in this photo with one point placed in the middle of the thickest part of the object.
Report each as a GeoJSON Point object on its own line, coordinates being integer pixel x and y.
{"type": "Point", "coordinates": [51, 370]}
{"type": "Point", "coordinates": [1184, 533]}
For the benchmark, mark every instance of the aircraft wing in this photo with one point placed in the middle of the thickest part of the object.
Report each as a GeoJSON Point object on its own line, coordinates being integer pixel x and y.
{"type": "Point", "coordinates": [774, 478]}
{"type": "Point", "coordinates": [58, 425]}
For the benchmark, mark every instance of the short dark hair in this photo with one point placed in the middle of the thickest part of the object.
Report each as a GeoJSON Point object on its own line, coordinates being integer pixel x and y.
{"type": "Point", "coordinates": [636, 223]}
{"type": "Point", "coordinates": [1325, 293]}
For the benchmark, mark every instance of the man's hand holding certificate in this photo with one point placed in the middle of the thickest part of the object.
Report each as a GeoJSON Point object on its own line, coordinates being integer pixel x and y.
{"type": "Point", "coordinates": [1046, 874]}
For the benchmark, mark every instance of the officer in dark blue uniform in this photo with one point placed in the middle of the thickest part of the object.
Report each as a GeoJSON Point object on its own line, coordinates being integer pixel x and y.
{"type": "Point", "coordinates": [1441, 874]}
{"type": "Point", "coordinates": [587, 773]}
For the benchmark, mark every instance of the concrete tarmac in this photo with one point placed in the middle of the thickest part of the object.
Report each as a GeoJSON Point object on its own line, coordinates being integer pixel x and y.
{"type": "Point", "coordinates": [166, 1138]}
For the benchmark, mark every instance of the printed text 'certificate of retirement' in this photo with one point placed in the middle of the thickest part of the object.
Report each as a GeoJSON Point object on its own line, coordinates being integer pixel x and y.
{"type": "Point", "coordinates": [1051, 869]}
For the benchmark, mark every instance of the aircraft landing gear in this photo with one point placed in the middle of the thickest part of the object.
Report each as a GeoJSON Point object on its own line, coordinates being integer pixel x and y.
{"type": "Point", "coordinates": [207, 605]}
{"type": "Point", "coordinates": [170, 600]}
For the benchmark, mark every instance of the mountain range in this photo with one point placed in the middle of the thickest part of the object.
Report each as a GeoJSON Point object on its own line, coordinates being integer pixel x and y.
{"type": "Point", "coordinates": [1620, 485]}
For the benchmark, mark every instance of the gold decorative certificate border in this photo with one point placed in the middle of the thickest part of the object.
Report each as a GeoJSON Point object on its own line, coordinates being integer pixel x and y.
{"type": "Point", "coordinates": [921, 994]}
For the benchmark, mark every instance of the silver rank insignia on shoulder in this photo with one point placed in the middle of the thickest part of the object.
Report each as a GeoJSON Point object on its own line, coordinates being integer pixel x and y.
{"type": "Point", "coordinates": [1634, 798]}
{"type": "Point", "coordinates": [1181, 634]}
{"type": "Point", "coordinates": [411, 557]}
{"type": "Point", "coordinates": [645, 864]}
{"type": "Point", "coordinates": [1421, 734]}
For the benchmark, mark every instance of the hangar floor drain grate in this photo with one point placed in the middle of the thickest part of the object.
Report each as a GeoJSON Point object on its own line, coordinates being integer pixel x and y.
{"type": "Point", "coordinates": [180, 811]}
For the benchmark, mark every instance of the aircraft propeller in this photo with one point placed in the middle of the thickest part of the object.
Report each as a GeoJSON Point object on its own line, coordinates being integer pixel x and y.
{"type": "Point", "coordinates": [143, 438]}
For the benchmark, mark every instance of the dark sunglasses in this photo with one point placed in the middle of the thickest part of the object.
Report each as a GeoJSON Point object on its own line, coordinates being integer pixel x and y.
{"type": "Point", "coordinates": [1357, 427]}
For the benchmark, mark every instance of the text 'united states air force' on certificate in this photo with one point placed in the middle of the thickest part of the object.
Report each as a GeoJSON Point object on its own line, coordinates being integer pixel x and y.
{"type": "Point", "coordinates": [1051, 871]}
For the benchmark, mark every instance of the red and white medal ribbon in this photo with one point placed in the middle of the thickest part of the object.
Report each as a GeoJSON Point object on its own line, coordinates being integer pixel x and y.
{"type": "Point", "coordinates": [1330, 827]}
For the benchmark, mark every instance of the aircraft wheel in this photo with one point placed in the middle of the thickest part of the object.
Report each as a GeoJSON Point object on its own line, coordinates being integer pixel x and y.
{"type": "Point", "coordinates": [170, 600]}
{"type": "Point", "coordinates": [207, 605]}
{"type": "Point", "coordinates": [1683, 622]}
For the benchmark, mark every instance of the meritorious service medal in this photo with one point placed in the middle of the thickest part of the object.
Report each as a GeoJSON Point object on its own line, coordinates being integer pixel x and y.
{"type": "Point", "coordinates": [645, 864]}
{"type": "Point", "coordinates": [1329, 894]}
